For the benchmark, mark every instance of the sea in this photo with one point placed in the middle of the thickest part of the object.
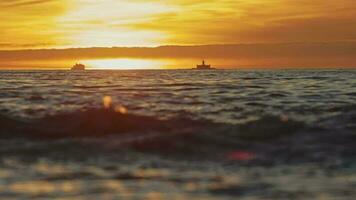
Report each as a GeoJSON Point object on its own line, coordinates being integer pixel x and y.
{"type": "Point", "coordinates": [178, 134]}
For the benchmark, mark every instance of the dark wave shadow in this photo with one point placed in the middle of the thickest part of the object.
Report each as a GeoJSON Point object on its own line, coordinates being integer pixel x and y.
{"type": "Point", "coordinates": [272, 139]}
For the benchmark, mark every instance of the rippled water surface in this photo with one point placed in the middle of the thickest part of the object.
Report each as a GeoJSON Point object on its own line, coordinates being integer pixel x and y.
{"type": "Point", "coordinates": [178, 134]}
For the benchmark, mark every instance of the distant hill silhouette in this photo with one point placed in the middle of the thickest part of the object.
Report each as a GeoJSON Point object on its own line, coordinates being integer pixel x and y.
{"type": "Point", "coordinates": [293, 54]}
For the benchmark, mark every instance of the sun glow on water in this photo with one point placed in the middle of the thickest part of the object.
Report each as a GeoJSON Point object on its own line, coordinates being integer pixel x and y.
{"type": "Point", "coordinates": [124, 63]}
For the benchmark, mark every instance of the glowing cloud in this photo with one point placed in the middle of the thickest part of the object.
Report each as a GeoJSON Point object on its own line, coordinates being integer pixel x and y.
{"type": "Point", "coordinates": [105, 23]}
{"type": "Point", "coordinates": [86, 23]}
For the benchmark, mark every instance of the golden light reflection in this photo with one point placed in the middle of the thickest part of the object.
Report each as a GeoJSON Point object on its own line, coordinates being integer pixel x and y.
{"type": "Point", "coordinates": [107, 102]}
{"type": "Point", "coordinates": [124, 63]}
{"type": "Point", "coordinates": [121, 109]}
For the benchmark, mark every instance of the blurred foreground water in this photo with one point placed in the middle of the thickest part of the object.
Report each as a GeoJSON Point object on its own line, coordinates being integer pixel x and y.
{"type": "Point", "coordinates": [178, 134]}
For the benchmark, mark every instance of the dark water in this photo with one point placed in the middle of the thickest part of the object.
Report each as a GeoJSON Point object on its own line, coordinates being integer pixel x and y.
{"type": "Point", "coordinates": [278, 134]}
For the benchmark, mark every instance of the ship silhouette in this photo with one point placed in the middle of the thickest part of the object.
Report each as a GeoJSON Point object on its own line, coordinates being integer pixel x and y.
{"type": "Point", "coordinates": [78, 67]}
{"type": "Point", "coordinates": [203, 66]}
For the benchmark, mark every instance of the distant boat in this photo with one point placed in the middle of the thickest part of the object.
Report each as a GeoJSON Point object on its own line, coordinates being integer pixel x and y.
{"type": "Point", "coordinates": [203, 66]}
{"type": "Point", "coordinates": [78, 67]}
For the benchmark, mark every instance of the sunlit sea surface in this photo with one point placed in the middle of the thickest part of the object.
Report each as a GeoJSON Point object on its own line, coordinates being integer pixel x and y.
{"type": "Point", "coordinates": [178, 134]}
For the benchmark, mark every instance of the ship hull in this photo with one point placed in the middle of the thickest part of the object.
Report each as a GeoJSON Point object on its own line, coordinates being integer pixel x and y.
{"type": "Point", "coordinates": [203, 67]}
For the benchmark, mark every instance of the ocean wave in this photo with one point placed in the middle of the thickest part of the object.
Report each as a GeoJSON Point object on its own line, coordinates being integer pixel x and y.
{"type": "Point", "coordinates": [89, 123]}
{"type": "Point", "coordinates": [269, 137]}
{"type": "Point", "coordinates": [104, 122]}
{"type": "Point", "coordinates": [180, 135]}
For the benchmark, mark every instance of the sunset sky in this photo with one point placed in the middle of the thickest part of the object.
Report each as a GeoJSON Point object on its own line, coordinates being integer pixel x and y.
{"type": "Point", "coordinates": [34, 24]}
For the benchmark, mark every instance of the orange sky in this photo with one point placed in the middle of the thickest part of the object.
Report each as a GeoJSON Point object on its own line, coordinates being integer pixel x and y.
{"type": "Point", "coordinates": [36, 24]}
{"type": "Point", "coordinates": [83, 23]}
